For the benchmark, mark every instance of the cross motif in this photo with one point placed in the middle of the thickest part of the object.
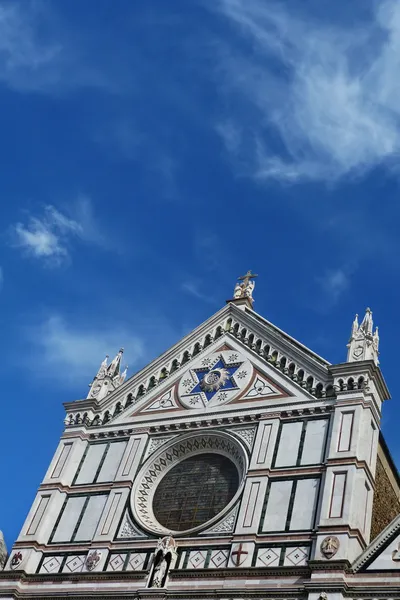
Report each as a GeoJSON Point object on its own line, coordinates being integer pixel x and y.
{"type": "Point", "coordinates": [246, 278]}
{"type": "Point", "coordinates": [238, 553]}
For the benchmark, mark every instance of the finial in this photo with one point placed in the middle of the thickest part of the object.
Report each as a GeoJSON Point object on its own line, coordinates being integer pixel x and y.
{"type": "Point", "coordinates": [244, 290]}
{"type": "Point", "coordinates": [364, 342]}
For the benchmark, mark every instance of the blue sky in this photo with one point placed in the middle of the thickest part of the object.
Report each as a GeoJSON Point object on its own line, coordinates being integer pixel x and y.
{"type": "Point", "coordinates": [151, 152]}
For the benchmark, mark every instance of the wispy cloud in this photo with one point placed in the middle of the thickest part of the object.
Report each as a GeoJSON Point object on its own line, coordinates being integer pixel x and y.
{"type": "Point", "coordinates": [192, 288]}
{"type": "Point", "coordinates": [74, 353]}
{"type": "Point", "coordinates": [49, 236]}
{"type": "Point", "coordinates": [46, 237]}
{"type": "Point", "coordinates": [321, 99]}
{"type": "Point", "coordinates": [40, 53]}
{"type": "Point", "coordinates": [334, 283]}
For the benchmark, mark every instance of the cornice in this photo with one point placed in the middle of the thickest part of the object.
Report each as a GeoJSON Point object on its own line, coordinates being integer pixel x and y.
{"type": "Point", "coordinates": [354, 368]}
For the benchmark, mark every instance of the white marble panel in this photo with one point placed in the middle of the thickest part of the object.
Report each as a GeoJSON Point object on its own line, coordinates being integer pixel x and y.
{"type": "Point", "coordinates": [338, 490]}
{"type": "Point", "coordinates": [136, 561]}
{"type": "Point", "coordinates": [41, 509]}
{"type": "Point", "coordinates": [296, 557]}
{"type": "Point", "coordinates": [91, 517]}
{"type": "Point", "coordinates": [91, 463]}
{"type": "Point", "coordinates": [69, 519]}
{"type": "Point", "coordinates": [116, 562]}
{"type": "Point", "coordinates": [197, 559]}
{"type": "Point", "coordinates": [111, 462]}
{"type": "Point", "coordinates": [345, 433]}
{"type": "Point", "coordinates": [218, 559]}
{"type": "Point", "coordinates": [305, 503]}
{"type": "Point", "coordinates": [277, 506]}
{"type": "Point", "coordinates": [289, 444]}
{"type": "Point", "coordinates": [268, 557]}
{"type": "Point", "coordinates": [51, 564]}
{"type": "Point", "coordinates": [62, 459]}
{"type": "Point", "coordinates": [74, 564]}
{"type": "Point", "coordinates": [314, 442]}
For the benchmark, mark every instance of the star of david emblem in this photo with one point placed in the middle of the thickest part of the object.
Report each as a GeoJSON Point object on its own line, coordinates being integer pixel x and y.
{"type": "Point", "coordinates": [209, 381]}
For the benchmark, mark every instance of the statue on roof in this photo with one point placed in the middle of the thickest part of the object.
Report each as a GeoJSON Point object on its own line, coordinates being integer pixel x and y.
{"type": "Point", "coordinates": [245, 288]}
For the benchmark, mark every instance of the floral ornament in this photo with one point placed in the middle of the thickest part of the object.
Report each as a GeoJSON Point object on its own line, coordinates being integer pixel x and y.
{"type": "Point", "coordinates": [93, 560]}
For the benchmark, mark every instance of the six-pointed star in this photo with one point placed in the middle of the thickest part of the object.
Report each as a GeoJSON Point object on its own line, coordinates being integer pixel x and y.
{"type": "Point", "coordinates": [230, 383]}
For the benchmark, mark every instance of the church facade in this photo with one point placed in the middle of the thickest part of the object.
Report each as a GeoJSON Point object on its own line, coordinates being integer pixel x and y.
{"type": "Point", "coordinates": [239, 464]}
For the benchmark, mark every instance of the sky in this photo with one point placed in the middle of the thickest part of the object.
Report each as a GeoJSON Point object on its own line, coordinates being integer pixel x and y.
{"type": "Point", "coordinates": [151, 153]}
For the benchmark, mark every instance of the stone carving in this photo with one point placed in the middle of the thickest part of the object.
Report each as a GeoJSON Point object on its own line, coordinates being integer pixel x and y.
{"type": "Point", "coordinates": [165, 402]}
{"type": "Point", "coordinates": [261, 388]}
{"type": "Point", "coordinates": [239, 554]}
{"type": "Point", "coordinates": [396, 554]}
{"type": "Point", "coordinates": [93, 560]}
{"type": "Point", "coordinates": [16, 560]}
{"type": "Point", "coordinates": [329, 546]}
{"type": "Point", "coordinates": [247, 435]}
{"type": "Point", "coordinates": [128, 530]}
{"type": "Point", "coordinates": [246, 287]}
{"type": "Point", "coordinates": [225, 526]}
{"type": "Point", "coordinates": [323, 596]}
{"type": "Point", "coordinates": [165, 556]}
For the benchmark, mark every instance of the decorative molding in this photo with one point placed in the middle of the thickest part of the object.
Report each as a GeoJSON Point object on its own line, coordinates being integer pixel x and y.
{"type": "Point", "coordinates": [227, 524]}
{"type": "Point", "coordinates": [128, 530]}
{"type": "Point", "coordinates": [156, 442]}
{"type": "Point", "coordinates": [247, 434]}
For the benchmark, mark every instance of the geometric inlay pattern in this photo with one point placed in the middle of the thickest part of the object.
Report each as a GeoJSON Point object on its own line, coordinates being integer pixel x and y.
{"type": "Point", "coordinates": [165, 402]}
{"type": "Point", "coordinates": [116, 562]}
{"type": "Point", "coordinates": [182, 447]}
{"type": "Point", "coordinates": [136, 561]}
{"type": "Point", "coordinates": [296, 556]}
{"type": "Point", "coordinates": [268, 557]}
{"type": "Point", "coordinates": [74, 564]}
{"type": "Point", "coordinates": [262, 388]}
{"type": "Point", "coordinates": [218, 559]}
{"type": "Point", "coordinates": [51, 564]}
{"type": "Point", "coordinates": [215, 379]}
{"type": "Point", "coordinates": [197, 559]}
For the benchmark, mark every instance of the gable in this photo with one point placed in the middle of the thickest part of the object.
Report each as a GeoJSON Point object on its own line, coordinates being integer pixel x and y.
{"type": "Point", "coordinates": [280, 366]}
{"type": "Point", "coordinates": [383, 554]}
{"type": "Point", "coordinates": [224, 377]}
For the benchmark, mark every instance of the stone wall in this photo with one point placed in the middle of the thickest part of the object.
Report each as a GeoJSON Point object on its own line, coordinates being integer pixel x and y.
{"type": "Point", "coordinates": [386, 498]}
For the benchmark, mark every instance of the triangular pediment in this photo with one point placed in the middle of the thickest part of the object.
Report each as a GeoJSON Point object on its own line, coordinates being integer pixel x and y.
{"type": "Point", "coordinates": [270, 367]}
{"type": "Point", "coordinates": [383, 554]}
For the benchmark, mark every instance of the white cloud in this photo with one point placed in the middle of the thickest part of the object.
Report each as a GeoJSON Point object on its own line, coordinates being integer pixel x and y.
{"type": "Point", "coordinates": [334, 283]}
{"type": "Point", "coordinates": [49, 236]}
{"type": "Point", "coordinates": [74, 353]}
{"type": "Point", "coordinates": [324, 96]}
{"type": "Point", "coordinates": [46, 237]}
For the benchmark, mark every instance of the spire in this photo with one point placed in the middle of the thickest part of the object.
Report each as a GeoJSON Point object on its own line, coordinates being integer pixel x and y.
{"type": "Point", "coordinates": [3, 551]}
{"type": "Point", "coordinates": [108, 377]}
{"type": "Point", "coordinates": [113, 369]}
{"type": "Point", "coordinates": [243, 292]}
{"type": "Point", "coordinates": [364, 342]}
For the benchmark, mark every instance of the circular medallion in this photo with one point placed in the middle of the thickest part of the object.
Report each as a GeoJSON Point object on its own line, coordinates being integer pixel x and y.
{"type": "Point", "coordinates": [215, 379]}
